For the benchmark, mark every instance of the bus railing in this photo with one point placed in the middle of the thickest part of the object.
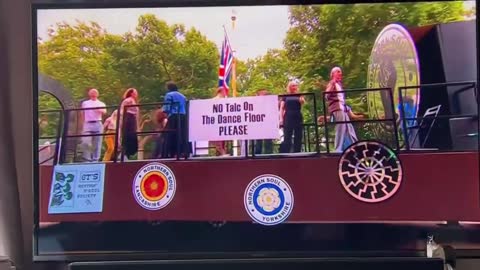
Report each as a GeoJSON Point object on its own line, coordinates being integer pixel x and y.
{"type": "Point", "coordinates": [391, 120]}
{"type": "Point", "coordinates": [80, 134]}
{"type": "Point", "coordinates": [465, 86]}
{"type": "Point", "coordinates": [305, 134]}
{"type": "Point", "coordinates": [311, 131]}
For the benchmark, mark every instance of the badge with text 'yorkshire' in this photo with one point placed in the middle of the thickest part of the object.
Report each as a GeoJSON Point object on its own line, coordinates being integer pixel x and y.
{"type": "Point", "coordinates": [154, 186]}
{"type": "Point", "coordinates": [370, 171]}
{"type": "Point", "coordinates": [268, 200]}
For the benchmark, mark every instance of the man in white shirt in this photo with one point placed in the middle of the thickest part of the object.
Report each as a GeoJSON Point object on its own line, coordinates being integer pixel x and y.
{"type": "Point", "coordinates": [93, 113]}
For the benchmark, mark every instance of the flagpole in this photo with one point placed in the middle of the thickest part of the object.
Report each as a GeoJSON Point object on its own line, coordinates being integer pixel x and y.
{"type": "Point", "coordinates": [236, 143]}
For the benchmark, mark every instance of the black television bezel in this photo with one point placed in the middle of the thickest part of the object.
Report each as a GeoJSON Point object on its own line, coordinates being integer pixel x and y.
{"type": "Point", "coordinates": [210, 256]}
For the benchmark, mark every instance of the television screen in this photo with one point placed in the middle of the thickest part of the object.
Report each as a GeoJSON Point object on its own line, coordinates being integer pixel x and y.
{"type": "Point", "coordinates": [238, 131]}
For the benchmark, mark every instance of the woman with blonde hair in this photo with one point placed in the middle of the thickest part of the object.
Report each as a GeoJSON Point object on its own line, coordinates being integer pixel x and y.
{"type": "Point", "coordinates": [291, 119]}
{"type": "Point", "coordinates": [129, 116]}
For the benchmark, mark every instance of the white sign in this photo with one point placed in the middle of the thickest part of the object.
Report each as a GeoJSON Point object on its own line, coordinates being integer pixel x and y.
{"type": "Point", "coordinates": [225, 119]}
{"type": "Point", "coordinates": [77, 189]}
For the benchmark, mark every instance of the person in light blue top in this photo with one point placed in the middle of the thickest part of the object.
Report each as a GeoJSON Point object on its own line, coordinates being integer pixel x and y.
{"type": "Point", "coordinates": [176, 102]}
{"type": "Point", "coordinates": [410, 111]}
{"type": "Point", "coordinates": [408, 114]}
{"type": "Point", "coordinates": [177, 136]}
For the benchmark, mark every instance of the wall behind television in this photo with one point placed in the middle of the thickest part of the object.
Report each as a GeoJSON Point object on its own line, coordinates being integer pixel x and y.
{"type": "Point", "coordinates": [16, 215]}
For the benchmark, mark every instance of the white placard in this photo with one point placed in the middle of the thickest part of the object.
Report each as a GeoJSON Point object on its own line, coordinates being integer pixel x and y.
{"type": "Point", "coordinates": [77, 189]}
{"type": "Point", "coordinates": [225, 119]}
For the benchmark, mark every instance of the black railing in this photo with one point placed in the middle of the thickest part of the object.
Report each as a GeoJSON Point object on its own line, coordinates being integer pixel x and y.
{"type": "Point", "coordinates": [392, 120]}
{"type": "Point", "coordinates": [311, 130]}
{"type": "Point", "coordinates": [65, 136]}
{"type": "Point", "coordinates": [306, 134]}
{"type": "Point", "coordinates": [55, 137]}
{"type": "Point", "coordinates": [465, 86]}
{"type": "Point", "coordinates": [158, 105]}
{"type": "Point", "coordinates": [80, 132]}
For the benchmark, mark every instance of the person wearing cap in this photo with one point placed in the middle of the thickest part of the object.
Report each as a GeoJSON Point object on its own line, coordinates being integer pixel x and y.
{"type": "Point", "coordinates": [344, 133]}
{"type": "Point", "coordinates": [93, 111]}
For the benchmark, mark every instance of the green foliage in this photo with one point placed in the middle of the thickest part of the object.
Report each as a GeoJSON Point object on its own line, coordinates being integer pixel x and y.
{"type": "Point", "coordinates": [85, 55]}
{"type": "Point", "coordinates": [325, 36]}
{"type": "Point", "coordinates": [319, 38]}
{"type": "Point", "coordinates": [271, 71]}
{"type": "Point", "coordinates": [49, 115]}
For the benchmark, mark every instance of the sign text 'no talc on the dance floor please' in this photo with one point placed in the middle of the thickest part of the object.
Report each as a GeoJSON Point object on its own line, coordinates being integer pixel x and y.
{"type": "Point", "coordinates": [77, 189]}
{"type": "Point", "coordinates": [243, 118]}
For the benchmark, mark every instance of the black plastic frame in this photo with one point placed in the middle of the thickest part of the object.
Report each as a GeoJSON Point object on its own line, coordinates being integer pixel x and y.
{"type": "Point", "coordinates": [82, 4]}
{"type": "Point", "coordinates": [375, 263]}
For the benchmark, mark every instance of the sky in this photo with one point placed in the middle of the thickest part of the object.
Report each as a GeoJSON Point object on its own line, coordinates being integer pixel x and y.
{"type": "Point", "coordinates": [258, 28]}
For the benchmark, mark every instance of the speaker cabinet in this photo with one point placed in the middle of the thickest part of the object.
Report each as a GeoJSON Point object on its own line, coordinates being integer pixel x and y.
{"type": "Point", "coordinates": [447, 53]}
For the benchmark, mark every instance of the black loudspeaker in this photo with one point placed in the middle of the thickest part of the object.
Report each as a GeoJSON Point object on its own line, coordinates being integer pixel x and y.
{"type": "Point", "coordinates": [278, 264]}
{"type": "Point", "coordinates": [447, 53]}
{"type": "Point", "coordinates": [459, 55]}
{"type": "Point", "coordinates": [464, 133]}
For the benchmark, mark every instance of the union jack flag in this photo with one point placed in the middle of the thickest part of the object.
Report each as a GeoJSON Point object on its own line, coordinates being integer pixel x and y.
{"type": "Point", "coordinates": [226, 63]}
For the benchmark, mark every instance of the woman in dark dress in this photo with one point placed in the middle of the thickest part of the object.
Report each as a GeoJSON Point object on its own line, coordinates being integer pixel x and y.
{"type": "Point", "coordinates": [160, 123]}
{"type": "Point", "coordinates": [129, 122]}
{"type": "Point", "coordinates": [291, 119]}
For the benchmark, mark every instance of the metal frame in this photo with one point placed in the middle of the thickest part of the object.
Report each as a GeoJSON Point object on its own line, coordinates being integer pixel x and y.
{"type": "Point", "coordinates": [467, 85]}
{"type": "Point", "coordinates": [41, 4]}
{"type": "Point", "coordinates": [304, 141]}
{"type": "Point", "coordinates": [63, 137]}
{"type": "Point", "coordinates": [57, 136]}
{"type": "Point", "coordinates": [357, 90]}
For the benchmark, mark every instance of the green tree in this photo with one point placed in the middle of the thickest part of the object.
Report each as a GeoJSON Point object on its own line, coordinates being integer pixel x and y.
{"type": "Point", "coordinates": [270, 71]}
{"type": "Point", "coordinates": [76, 56]}
{"type": "Point", "coordinates": [157, 52]}
{"type": "Point", "coordinates": [85, 55]}
{"type": "Point", "coordinates": [324, 36]}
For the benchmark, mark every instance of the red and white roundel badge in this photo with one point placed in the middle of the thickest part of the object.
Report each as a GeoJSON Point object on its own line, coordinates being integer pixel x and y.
{"type": "Point", "coordinates": [154, 186]}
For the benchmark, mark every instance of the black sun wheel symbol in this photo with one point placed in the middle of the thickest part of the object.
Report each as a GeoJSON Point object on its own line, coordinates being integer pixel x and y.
{"type": "Point", "coordinates": [370, 171]}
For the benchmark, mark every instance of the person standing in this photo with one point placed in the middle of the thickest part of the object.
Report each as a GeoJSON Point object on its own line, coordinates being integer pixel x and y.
{"type": "Point", "coordinates": [129, 124]}
{"type": "Point", "coordinates": [93, 111]}
{"type": "Point", "coordinates": [109, 128]}
{"type": "Point", "coordinates": [268, 143]}
{"type": "Point", "coordinates": [176, 109]}
{"type": "Point", "coordinates": [160, 119]}
{"type": "Point", "coordinates": [344, 133]}
{"type": "Point", "coordinates": [292, 119]}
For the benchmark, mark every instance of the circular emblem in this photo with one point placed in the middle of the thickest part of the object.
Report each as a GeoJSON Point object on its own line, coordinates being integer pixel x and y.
{"type": "Point", "coordinates": [393, 63]}
{"type": "Point", "coordinates": [268, 200]}
{"type": "Point", "coordinates": [154, 186]}
{"type": "Point", "coordinates": [370, 171]}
